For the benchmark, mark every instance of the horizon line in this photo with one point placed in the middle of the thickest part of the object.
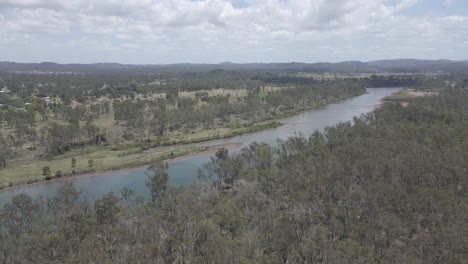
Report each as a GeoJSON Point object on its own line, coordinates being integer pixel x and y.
{"type": "Point", "coordinates": [225, 62]}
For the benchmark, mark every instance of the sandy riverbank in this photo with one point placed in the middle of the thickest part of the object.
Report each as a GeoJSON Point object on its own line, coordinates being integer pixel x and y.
{"type": "Point", "coordinates": [210, 151]}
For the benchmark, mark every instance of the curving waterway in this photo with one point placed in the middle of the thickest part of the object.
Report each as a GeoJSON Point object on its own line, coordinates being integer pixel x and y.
{"type": "Point", "coordinates": [184, 170]}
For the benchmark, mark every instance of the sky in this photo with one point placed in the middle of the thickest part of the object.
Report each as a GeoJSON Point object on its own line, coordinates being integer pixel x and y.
{"type": "Point", "coordinates": [242, 31]}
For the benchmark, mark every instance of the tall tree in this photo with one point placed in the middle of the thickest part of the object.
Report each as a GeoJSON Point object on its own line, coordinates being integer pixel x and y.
{"type": "Point", "coordinates": [107, 209]}
{"type": "Point", "coordinates": [158, 179]}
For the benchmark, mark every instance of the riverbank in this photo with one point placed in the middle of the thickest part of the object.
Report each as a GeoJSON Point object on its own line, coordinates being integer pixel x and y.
{"type": "Point", "coordinates": [408, 94]}
{"type": "Point", "coordinates": [184, 170]}
{"type": "Point", "coordinates": [200, 152]}
{"type": "Point", "coordinates": [111, 158]}
{"type": "Point", "coordinates": [115, 159]}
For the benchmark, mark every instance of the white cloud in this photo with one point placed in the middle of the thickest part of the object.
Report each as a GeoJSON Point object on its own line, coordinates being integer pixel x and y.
{"type": "Point", "coordinates": [51, 4]}
{"type": "Point", "coordinates": [42, 21]}
{"type": "Point", "coordinates": [267, 30]}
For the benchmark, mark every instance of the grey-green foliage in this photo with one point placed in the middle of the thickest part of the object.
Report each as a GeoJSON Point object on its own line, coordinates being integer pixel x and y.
{"type": "Point", "coordinates": [157, 179]}
{"type": "Point", "coordinates": [389, 189]}
{"type": "Point", "coordinates": [107, 209]}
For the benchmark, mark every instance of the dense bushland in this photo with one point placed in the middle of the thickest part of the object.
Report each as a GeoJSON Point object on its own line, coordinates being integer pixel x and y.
{"type": "Point", "coordinates": [389, 189]}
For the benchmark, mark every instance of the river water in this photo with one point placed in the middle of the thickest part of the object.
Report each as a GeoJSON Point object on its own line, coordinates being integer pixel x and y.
{"type": "Point", "coordinates": [184, 171]}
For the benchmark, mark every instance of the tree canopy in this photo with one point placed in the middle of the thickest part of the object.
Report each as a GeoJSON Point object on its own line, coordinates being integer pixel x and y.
{"type": "Point", "coordinates": [389, 187]}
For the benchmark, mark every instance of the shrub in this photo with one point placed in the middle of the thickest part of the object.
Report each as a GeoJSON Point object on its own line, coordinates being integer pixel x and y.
{"type": "Point", "coordinates": [46, 171]}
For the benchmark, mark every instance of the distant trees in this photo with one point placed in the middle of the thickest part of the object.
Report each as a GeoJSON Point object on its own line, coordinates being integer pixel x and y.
{"type": "Point", "coordinates": [149, 117]}
{"type": "Point", "coordinates": [58, 138]}
{"type": "Point", "coordinates": [72, 114]}
{"type": "Point", "coordinates": [5, 151]}
{"type": "Point", "coordinates": [392, 81]}
{"type": "Point", "coordinates": [95, 110]}
{"type": "Point", "coordinates": [93, 132]}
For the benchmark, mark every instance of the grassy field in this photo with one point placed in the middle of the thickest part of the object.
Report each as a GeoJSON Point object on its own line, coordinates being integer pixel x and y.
{"type": "Point", "coordinates": [28, 169]}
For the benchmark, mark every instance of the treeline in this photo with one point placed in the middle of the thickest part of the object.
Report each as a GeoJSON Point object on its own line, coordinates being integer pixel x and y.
{"type": "Point", "coordinates": [374, 81]}
{"type": "Point", "coordinates": [395, 81]}
{"type": "Point", "coordinates": [85, 88]}
{"type": "Point", "coordinates": [57, 135]}
{"type": "Point", "coordinates": [63, 127]}
{"type": "Point", "coordinates": [153, 118]}
{"type": "Point", "coordinates": [389, 189]}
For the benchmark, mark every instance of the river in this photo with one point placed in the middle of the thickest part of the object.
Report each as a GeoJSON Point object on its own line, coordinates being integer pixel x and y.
{"type": "Point", "coordinates": [183, 171]}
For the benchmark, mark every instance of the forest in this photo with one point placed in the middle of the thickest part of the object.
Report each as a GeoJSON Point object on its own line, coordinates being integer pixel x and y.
{"type": "Point", "coordinates": [60, 124]}
{"type": "Point", "coordinates": [389, 187]}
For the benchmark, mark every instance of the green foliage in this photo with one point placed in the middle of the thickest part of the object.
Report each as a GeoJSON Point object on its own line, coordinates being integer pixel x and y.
{"type": "Point", "coordinates": [5, 151]}
{"type": "Point", "coordinates": [157, 180]}
{"type": "Point", "coordinates": [107, 209]}
{"type": "Point", "coordinates": [46, 171]}
{"type": "Point", "coordinates": [18, 215]}
{"type": "Point", "coordinates": [388, 188]}
{"type": "Point", "coordinates": [58, 173]}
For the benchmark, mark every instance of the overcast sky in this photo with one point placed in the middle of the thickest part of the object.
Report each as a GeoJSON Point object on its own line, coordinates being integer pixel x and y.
{"type": "Point", "coordinates": [213, 31]}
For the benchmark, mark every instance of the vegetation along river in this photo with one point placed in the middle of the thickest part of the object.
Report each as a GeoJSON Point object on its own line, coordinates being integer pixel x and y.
{"type": "Point", "coordinates": [183, 171]}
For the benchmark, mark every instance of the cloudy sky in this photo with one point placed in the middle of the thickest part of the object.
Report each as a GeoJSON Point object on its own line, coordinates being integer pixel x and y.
{"type": "Point", "coordinates": [212, 31]}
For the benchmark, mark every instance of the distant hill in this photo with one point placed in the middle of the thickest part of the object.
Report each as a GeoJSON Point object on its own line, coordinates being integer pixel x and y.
{"type": "Point", "coordinates": [400, 65]}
